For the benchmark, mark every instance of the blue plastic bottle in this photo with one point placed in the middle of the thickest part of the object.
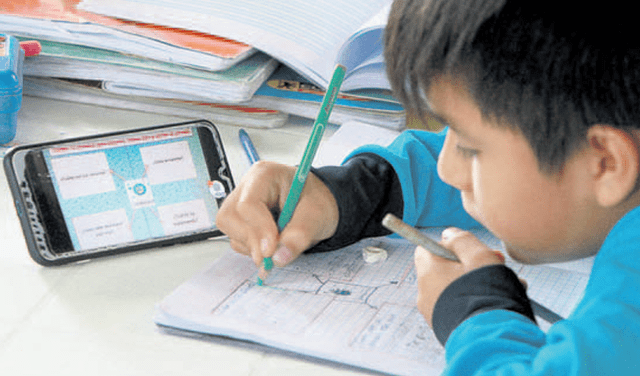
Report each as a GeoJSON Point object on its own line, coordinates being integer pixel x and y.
{"type": "Point", "coordinates": [11, 60]}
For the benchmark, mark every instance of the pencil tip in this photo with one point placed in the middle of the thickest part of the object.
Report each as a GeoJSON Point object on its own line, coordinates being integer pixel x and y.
{"type": "Point", "coordinates": [268, 263]}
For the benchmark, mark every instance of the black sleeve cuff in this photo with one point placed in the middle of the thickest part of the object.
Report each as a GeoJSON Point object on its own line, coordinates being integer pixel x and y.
{"type": "Point", "coordinates": [366, 188]}
{"type": "Point", "coordinates": [484, 289]}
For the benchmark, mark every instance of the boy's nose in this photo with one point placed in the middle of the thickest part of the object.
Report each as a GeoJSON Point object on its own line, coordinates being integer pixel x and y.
{"type": "Point", "coordinates": [452, 168]}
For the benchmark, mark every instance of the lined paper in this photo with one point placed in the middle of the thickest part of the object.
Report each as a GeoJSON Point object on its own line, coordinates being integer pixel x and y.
{"type": "Point", "coordinates": [305, 34]}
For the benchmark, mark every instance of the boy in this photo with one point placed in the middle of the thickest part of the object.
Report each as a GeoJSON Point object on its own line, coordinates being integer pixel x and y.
{"type": "Point", "coordinates": [542, 148]}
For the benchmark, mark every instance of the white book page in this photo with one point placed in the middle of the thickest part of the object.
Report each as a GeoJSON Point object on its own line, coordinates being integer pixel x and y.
{"type": "Point", "coordinates": [378, 20]}
{"type": "Point", "coordinates": [363, 55]}
{"type": "Point", "coordinates": [348, 137]}
{"type": "Point", "coordinates": [307, 35]}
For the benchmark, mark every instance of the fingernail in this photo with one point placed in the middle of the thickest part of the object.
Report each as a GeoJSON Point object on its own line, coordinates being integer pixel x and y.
{"type": "Point", "coordinates": [282, 256]}
{"type": "Point", "coordinates": [446, 234]}
{"type": "Point", "coordinates": [264, 246]}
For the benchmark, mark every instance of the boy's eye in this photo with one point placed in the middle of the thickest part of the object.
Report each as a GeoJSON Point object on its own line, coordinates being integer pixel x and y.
{"type": "Point", "coordinates": [466, 152]}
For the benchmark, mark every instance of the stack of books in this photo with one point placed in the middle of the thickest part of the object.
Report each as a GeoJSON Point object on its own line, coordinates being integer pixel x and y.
{"type": "Point", "coordinates": [245, 62]}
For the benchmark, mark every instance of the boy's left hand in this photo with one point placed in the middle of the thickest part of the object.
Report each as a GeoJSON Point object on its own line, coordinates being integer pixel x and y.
{"type": "Point", "coordinates": [436, 273]}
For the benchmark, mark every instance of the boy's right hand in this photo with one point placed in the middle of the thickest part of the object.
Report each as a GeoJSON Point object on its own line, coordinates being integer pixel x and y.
{"type": "Point", "coordinates": [246, 214]}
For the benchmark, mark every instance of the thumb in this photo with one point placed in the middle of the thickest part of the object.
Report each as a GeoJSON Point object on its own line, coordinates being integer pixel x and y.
{"type": "Point", "coordinates": [293, 241]}
{"type": "Point", "coordinates": [283, 255]}
{"type": "Point", "coordinates": [470, 250]}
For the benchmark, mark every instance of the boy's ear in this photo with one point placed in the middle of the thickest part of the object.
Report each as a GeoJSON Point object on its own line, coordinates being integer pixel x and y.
{"type": "Point", "coordinates": [614, 164]}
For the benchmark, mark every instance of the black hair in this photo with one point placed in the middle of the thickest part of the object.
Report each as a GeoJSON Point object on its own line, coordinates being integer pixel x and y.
{"type": "Point", "coordinates": [548, 69]}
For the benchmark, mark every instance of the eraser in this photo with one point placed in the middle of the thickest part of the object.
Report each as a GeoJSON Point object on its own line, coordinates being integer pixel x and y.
{"type": "Point", "coordinates": [31, 47]}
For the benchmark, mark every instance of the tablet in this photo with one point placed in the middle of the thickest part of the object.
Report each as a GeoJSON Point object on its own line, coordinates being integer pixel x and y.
{"type": "Point", "coordinates": [119, 192]}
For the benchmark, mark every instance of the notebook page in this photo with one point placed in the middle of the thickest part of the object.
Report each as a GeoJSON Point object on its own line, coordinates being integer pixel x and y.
{"type": "Point", "coordinates": [343, 309]}
{"type": "Point", "coordinates": [346, 309]}
{"type": "Point", "coordinates": [306, 35]}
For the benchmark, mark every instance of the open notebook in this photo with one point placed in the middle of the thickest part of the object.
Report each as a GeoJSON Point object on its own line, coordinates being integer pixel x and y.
{"type": "Point", "coordinates": [340, 305]}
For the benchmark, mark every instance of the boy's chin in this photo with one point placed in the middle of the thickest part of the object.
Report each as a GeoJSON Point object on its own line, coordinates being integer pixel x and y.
{"type": "Point", "coordinates": [534, 257]}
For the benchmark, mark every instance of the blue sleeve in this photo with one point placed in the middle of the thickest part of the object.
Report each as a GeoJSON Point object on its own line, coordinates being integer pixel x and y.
{"type": "Point", "coordinates": [600, 337]}
{"type": "Point", "coordinates": [506, 343]}
{"type": "Point", "coordinates": [428, 201]}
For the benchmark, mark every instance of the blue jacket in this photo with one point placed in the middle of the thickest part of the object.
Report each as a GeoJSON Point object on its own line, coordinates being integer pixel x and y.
{"type": "Point", "coordinates": [602, 335]}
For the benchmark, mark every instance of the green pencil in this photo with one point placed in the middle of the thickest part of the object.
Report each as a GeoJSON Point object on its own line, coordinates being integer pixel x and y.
{"type": "Point", "coordinates": [302, 171]}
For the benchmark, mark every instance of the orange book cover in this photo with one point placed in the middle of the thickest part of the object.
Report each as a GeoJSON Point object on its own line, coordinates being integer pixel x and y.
{"type": "Point", "coordinates": [66, 10]}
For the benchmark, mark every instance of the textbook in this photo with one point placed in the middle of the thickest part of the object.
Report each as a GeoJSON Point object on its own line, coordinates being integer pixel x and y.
{"type": "Point", "coordinates": [61, 21]}
{"type": "Point", "coordinates": [308, 36]}
{"type": "Point", "coordinates": [131, 75]}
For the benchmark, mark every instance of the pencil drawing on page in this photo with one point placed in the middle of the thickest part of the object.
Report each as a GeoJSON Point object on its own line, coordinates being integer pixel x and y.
{"type": "Point", "coordinates": [336, 306]}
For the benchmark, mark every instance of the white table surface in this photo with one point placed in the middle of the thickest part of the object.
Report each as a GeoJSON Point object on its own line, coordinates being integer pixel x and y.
{"type": "Point", "coordinates": [95, 318]}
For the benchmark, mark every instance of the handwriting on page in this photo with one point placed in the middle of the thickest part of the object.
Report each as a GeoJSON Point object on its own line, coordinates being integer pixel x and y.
{"type": "Point", "coordinates": [338, 297]}
{"type": "Point", "coordinates": [334, 305]}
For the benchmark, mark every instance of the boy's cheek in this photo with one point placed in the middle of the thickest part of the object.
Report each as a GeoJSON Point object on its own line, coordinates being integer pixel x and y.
{"type": "Point", "coordinates": [470, 205]}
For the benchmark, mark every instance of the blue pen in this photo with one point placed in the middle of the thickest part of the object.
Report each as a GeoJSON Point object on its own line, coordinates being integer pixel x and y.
{"type": "Point", "coordinates": [252, 154]}
{"type": "Point", "coordinates": [248, 147]}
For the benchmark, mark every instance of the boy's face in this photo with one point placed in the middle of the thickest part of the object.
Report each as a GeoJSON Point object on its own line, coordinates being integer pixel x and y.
{"type": "Point", "coordinates": [540, 217]}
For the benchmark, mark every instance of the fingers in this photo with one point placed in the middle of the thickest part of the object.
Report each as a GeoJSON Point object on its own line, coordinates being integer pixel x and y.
{"type": "Point", "coordinates": [435, 273]}
{"type": "Point", "coordinates": [246, 214]}
{"type": "Point", "coordinates": [284, 256]}
{"type": "Point", "coordinates": [315, 219]}
{"type": "Point", "coordinates": [470, 250]}
{"type": "Point", "coordinates": [239, 247]}
{"type": "Point", "coordinates": [248, 235]}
